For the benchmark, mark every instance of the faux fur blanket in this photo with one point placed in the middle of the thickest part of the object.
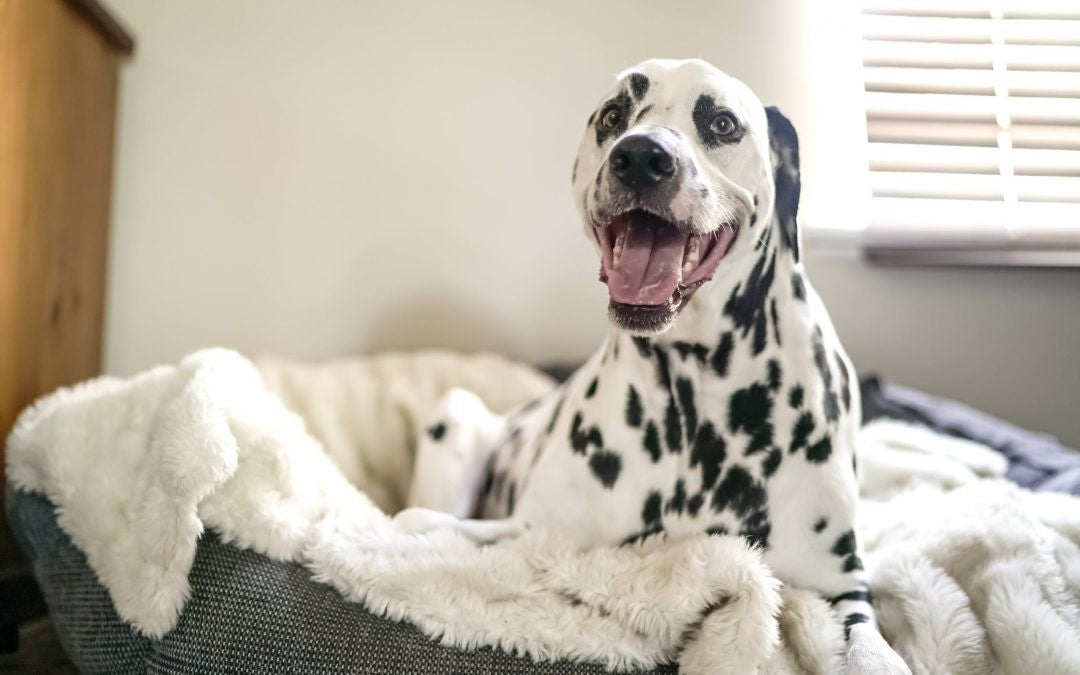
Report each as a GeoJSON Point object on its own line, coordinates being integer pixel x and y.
{"type": "Point", "coordinates": [303, 463]}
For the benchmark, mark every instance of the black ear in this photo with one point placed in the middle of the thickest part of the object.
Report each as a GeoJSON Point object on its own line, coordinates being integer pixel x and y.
{"type": "Point", "coordinates": [785, 146]}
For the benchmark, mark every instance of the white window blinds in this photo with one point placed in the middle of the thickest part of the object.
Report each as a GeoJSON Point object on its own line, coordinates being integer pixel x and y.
{"type": "Point", "coordinates": [973, 118]}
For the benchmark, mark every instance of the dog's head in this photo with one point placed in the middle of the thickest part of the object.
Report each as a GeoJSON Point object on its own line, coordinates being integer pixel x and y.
{"type": "Point", "coordinates": [680, 173]}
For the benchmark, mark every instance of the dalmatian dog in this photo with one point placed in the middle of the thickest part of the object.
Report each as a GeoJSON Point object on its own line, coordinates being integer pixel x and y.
{"type": "Point", "coordinates": [722, 400]}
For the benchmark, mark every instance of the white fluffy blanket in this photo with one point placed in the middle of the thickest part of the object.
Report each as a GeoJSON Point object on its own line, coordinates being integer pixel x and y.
{"type": "Point", "coordinates": [302, 463]}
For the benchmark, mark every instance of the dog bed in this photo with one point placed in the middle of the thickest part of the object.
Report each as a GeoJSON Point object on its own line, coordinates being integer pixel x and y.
{"type": "Point", "coordinates": [301, 570]}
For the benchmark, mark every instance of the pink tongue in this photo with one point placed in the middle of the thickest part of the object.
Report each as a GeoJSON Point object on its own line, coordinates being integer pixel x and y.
{"type": "Point", "coordinates": [650, 268]}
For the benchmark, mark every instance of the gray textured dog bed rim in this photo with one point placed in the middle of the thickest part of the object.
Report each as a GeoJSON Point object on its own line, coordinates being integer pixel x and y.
{"type": "Point", "coordinates": [247, 614]}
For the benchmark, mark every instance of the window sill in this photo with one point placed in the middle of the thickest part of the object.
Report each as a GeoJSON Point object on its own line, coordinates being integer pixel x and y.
{"type": "Point", "coordinates": [945, 248]}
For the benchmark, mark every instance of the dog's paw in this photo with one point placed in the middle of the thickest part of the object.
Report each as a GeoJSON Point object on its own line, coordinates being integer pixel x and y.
{"type": "Point", "coordinates": [869, 654]}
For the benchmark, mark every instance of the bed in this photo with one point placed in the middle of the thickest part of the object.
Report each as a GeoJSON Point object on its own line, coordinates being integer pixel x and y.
{"type": "Point", "coordinates": [247, 603]}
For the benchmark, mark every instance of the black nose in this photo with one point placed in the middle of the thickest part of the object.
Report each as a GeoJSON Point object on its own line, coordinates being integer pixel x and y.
{"type": "Point", "coordinates": [639, 162]}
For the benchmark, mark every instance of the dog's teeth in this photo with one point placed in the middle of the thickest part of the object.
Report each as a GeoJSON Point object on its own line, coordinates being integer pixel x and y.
{"type": "Point", "coordinates": [693, 255]}
{"type": "Point", "coordinates": [620, 242]}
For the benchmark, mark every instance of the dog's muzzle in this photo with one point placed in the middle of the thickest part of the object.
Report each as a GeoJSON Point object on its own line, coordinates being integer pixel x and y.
{"type": "Point", "coordinates": [651, 263]}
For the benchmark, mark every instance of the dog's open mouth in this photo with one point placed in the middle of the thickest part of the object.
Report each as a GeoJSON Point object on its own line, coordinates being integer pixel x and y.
{"type": "Point", "coordinates": [648, 262]}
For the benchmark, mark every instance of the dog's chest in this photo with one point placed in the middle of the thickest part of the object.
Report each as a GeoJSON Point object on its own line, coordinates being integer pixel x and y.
{"type": "Point", "coordinates": [679, 436]}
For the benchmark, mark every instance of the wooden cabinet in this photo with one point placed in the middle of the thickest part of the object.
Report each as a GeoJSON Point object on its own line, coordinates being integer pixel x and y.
{"type": "Point", "coordinates": [58, 93]}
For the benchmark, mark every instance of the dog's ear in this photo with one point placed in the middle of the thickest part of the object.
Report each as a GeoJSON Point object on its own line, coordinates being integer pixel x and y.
{"type": "Point", "coordinates": [785, 150]}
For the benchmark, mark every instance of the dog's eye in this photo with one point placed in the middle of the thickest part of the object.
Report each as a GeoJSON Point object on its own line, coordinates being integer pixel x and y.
{"type": "Point", "coordinates": [611, 116]}
{"type": "Point", "coordinates": [724, 124]}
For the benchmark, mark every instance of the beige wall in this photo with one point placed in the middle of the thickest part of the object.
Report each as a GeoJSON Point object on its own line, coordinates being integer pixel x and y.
{"type": "Point", "coordinates": [325, 177]}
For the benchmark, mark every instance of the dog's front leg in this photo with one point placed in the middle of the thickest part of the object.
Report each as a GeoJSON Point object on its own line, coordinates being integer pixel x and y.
{"type": "Point", "coordinates": [455, 445]}
{"type": "Point", "coordinates": [814, 546]}
{"type": "Point", "coordinates": [866, 649]}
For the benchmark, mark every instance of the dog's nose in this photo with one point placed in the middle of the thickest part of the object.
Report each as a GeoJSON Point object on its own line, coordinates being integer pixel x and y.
{"type": "Point", "coordinates": [639, 161]}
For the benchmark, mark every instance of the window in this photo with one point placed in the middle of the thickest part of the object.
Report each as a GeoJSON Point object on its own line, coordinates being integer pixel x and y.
{"type": "Point", "coordinates": [973, 121]}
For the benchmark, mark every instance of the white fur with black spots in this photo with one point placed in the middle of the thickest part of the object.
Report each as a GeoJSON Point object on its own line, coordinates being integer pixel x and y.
{"type": "Point", "coordinates": [722, 400]}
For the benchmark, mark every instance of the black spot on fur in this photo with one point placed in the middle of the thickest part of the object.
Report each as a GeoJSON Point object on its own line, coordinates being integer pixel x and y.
{"type": "Point", "coordinates": [753, 218]}
{"type": "Point", "coordinates": [721, 358]}
{"type": "Point", "coordinates": [683, 349]}
{"type": "Point", "coordinates": [746, 306]}
{"type": "Point", "coordinates": [749, 409]}
{"type": "Point", "coordinates": [578, 440]}
{"type": "Point", "coordinates": [795, 396]}
{"type": "Point", "coordinates": [705, 111]}
{"type": "Point", "coordinates": [635, 538]}
{"type": "Point", "coordinates": [685, 390]}
{"type": "Point", "coordinates": [693, 505]}
{"type": "Point", "coordinates": [800, 434]}
{"type": "Point", "coordinates": [686, 349]}
{"type": "Point", "coordinates": [819, 451]}
{"type": "Point", "coordinates": [821, 524]}
{"type": "Point", "coordinates": [437, 431]}
{"type": "Point", "coordinates": [765, 240]}
{"type": "Point", "coordinates": [798, 286]}
{"type": "Point", "coordinates": [775, 321]}
{"type": "Point", "coordinates": [716, 531]}
{"type": "Point", "coordinates": [771, 462]}
{"type": "Point", "coordinates": [851, 620]}
{"type": "Point", "coordinates": [858, 595]}
{"type": "Point", "coordinates": [510, 497]}
{"type": "Point", "coordinates": [761, 440]}
{"type": "Point", "coordinates": [633, 407]}
{"type": "Point", "coordinates": [672, 427]}
{"type": "Point", "coordinates": [845, 545]}
{"type": "Point", "coordinates": [774, 375]}
{"type": "Point", "coordinates": [650, 512]}
{"type": "Point", "coordinates": [663, 368]}
{"type": "Point", "coordinates": [852, 563]}
{"type": "Point", "coordinates": [760, 329]}
{"type": "Point", "coordinates": [606, 466]}
{"type": "Point", "coordinates": [829, 404]}
{"type": "Point", "coordinates": [643, 346]}
{"type": "Point", "coordinates": [652, 441]}
{"type": "Point", "coordinates": [623, 103]}
{"type": "Point", "coordinates": [709, 451]}
{"type": "Point", "coordinates": [701, 353]}
{"type": "Point", "coordinates": [678, 500]}
{"type": "Point", "coordinates": [639, 85]}
{"type": "Point", "coordinates": [845, 381]}
{"type": "Point", "coordinates": [756, 528]}
{"type": "Point", "coordinates": [581, 439]}
{"type": "Point", "coordinates": [591, 391]}
{"type": "Point", "coordinates": [739, 492]}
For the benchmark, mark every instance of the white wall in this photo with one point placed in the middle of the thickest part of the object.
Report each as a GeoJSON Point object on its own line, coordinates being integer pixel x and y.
{"type": "Point", "coordinates": [326, 177]}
